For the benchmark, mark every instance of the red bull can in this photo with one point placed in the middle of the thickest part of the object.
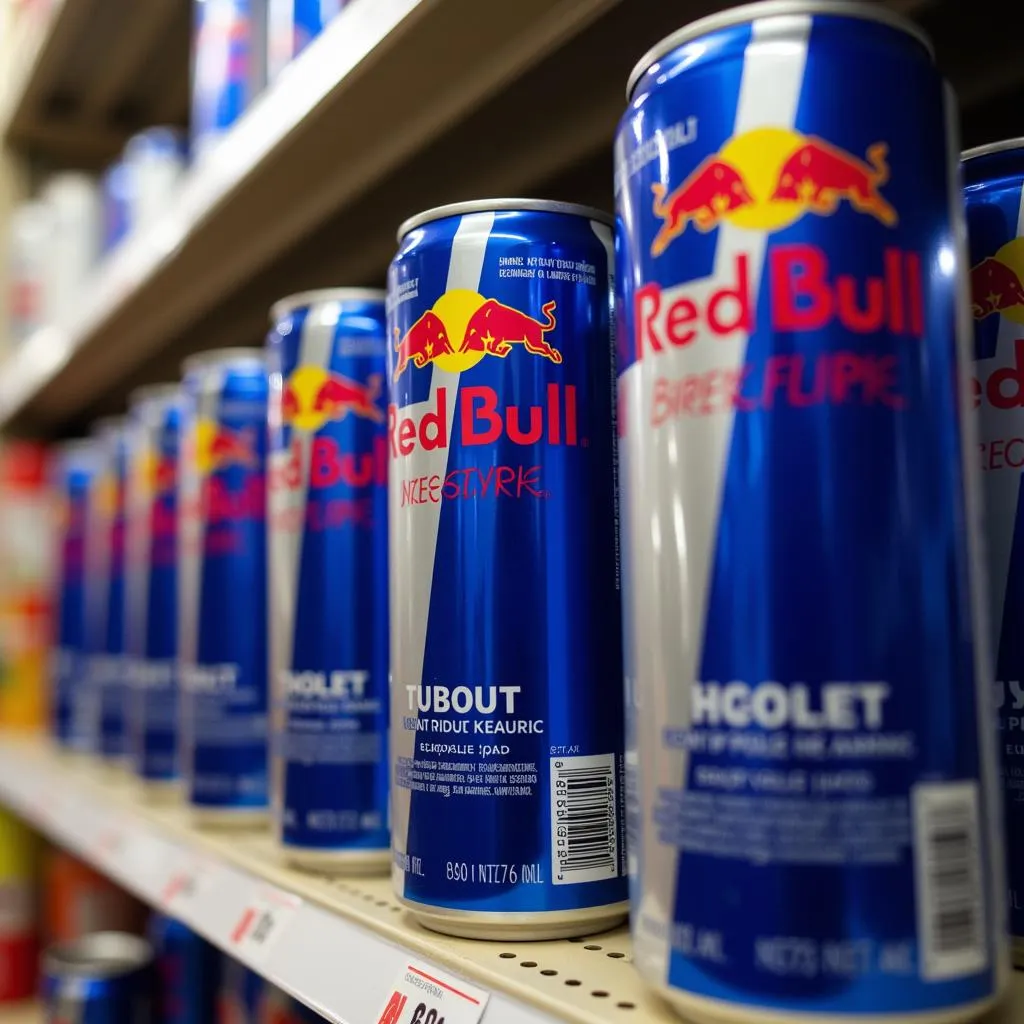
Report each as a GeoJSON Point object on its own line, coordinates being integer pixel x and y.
{"type": "Point", "coordinates": [328, 608]}
{"type": "Point", "coordinates": [187, 973]}
{"type": "Point", "coordinates": [222, 589]}
{"type": "Point", "coordinates": [151, 609]}
{"type": "Point", "coordinates": [815, 833]}
{"type": "Point", "coordinates": [240, 993]}
{"type": "Point", "coordinates": [74, 474]}
{"type": "Point", "coordinates": [507, 795]}
{"type": "Point", "coordinates": [105, 688]}
{"type": "Point", "coordinates": [103, 978]}
{"type": "Point", "coordinates": [993, 179]}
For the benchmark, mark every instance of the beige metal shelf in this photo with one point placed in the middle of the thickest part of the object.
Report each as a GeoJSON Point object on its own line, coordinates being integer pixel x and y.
{"type": "Point", "coordinates": [210, 879]}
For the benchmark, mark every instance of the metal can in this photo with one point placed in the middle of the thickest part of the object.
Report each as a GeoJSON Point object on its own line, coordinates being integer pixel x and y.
{"type": "Point", "coordinates": [187, 973]}
{"type": "Point", "coordinates": [228, 67]}
{"type": "Point", "coordinates": [506, 704]}
{"type": "Point", "coordinates": [106, 692]}
{"type": "Point", "coordinates": [222, 589]}
{"type": "Point", "coordinates": [993, 179]}
{"type": "Point", "coordinates": [155, 163]}
{"type": "Point", "coordinates": [117, 191]}
{"type": "Point", "coordinates": [103, 978]}
{"type": "Point", "coordinates": [805, 653]}
{"type": "Point", "coordinates": [74, 204]}
{"type": "Point", "coordinates": [151, 609]}
{"type": "Point", "coordinates": [292, 26]}
{"type": "Point", "coordinates": [328, 612]}
{"type": "Point", "coordinates": [240, 993]}
{"type": "Point", "coordinates": [74, 475]}
{"type": "Point", "coordinates": [277, 1007]}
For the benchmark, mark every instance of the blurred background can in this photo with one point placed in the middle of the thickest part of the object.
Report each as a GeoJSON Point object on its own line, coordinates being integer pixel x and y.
{"type": "Point", "coordinates": [151, 606]}
{"type": "Point", "coordinates": [222, 589]}
{"type": "Point", "coordinates": [102, 978]}
{"type": "Point", "coordinates": [155, 161]}
{"type": "Point", "coordinates": [292, 26]}
{"type": "Point", "coordinates": [187, 973]}
{"type": "Point", "coordinates": [104, 682]}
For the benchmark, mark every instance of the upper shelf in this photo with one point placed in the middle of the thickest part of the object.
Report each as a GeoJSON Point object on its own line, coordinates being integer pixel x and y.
{"type": "Point", "coordinates": [92, 72]}
{"type": "Point", "coordinates": [398, 106]}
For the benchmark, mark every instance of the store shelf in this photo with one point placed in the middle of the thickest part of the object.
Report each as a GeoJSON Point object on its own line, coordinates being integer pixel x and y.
{"type": "Point", "coordinates": [338, 945]}
{"type": "Point", "coordinates": [22, 1013]}
{"type": "Point", "coordinates": [93, 72]}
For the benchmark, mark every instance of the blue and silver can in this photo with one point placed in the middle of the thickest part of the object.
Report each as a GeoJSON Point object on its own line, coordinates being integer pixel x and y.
{"type": "Point", "coordinates": [806, 646]}
{"type": "Point", "coordinates": [103, 978]}
{"type": "Point", "coordinates": [328, 607]}
{"type": "Point", "coordinates": [292, 26]}
{"type": "Point", "coordinates": [228, 65]}
{"type": "Point", "coordinates": [74, 475]}
{"type": "Point", "coordinates": [506, 702]}
{"type": "Point", "coordinates": [155, 160]}
{"type": "Point", "coordinates": [151, 608]}
{"type": "Point", "coordinates": [187, 973]}
{"type": "Point", "coordinates": [222, 588]}
{"type": "Point", "coordinates": [117, 192]}
{"type": "Point", "coordinates": [105, 688]}
{"type": "Point", "coordinates": [240, 994]}
{"type": "Point", "coordinates": [993, 178]}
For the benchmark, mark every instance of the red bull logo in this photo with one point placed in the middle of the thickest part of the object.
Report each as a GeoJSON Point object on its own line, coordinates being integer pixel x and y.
{"type": "Point", "coordinates": [767, 179]}
{"type": "Point", "coordinates": [108, 496]}
{"type": "Point", "coordinates": [313, 397]}
{"type": "Point", "coordinates": [997, 283]}
{"type": "Point", "coordinates": [215, 447]}
{"type": "Point", "coordinates": [463, 327]}
{"type": "Point", "coordinates": [155, 473]}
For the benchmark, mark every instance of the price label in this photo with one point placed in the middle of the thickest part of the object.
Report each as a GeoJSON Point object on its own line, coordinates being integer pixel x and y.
{"type": "Point", "coordinates": [185, 884]}
{"type": "Point", "coordinates": [262, 922]}
{"type": "Point", "coordinates": [424, 995]}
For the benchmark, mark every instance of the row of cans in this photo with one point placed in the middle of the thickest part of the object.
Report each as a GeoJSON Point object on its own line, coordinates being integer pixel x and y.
{"type": "Point", "coordinates": [752, 480]}
{"type": "Point", "coordinates": [172, 976]}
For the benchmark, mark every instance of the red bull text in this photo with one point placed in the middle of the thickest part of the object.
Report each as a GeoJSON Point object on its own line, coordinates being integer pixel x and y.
{"type": "Point", "coordinates": [993, 179]}
{"type": "Point", "coordinates": [506, 694]}
{"type": "Point", "coordinates": [815, 833]}
{"type": "Point", "coordinates": [222, 642]}
{"type": "Point", "coordinates": [328, 579]}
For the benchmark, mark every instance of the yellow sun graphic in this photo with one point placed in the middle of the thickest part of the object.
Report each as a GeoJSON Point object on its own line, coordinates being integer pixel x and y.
{"type": "Point", "coordinates": [1012, 255]}
{"type": "Point", "coordinates": [454, 309]}
{"type": "Point", "coordinates": [299, 398]}
{"type": "Point", "coordinates": [760, 153]}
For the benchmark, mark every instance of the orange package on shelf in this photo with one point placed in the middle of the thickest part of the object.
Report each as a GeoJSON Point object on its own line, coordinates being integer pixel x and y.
{"type": "Point", "coordinates": [26, 583]}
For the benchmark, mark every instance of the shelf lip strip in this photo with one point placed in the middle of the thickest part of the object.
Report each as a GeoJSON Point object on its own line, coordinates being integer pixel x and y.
{"type": "Point", "coordinates": [324, 66]}
{"type": "Point", "coordinates": [317, 952]}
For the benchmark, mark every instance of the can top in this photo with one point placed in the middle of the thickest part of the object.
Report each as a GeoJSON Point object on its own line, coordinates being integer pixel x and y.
{"type": "Point", "coordinates": [496, 205]}
{"type": "Point", "coordinates": [284, 306]}
{"type": "Point", "coordinates": [774, 9]}
{"type": "Point", "coordinates": [1004, 146]}
{"type": "Point", "coordinates": [154, 393]}
{"type": "Point", "coordinates": [100, 955]}
{"type": "Point", "coordinates": [224, 357]}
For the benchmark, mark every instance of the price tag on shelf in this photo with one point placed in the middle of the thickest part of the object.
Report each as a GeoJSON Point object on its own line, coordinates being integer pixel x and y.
{"type": "Point", "coordinates": [185, 884]}
{"type": "Point", "coordinates": [424, 995]}
{"type": "Point", "coordinates": [262, 922]}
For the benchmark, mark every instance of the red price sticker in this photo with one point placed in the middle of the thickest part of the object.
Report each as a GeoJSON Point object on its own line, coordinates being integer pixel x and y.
{"type": "Point", "coordinates": [262, 922]}
{"type": "Point", "coordinates": [424, 995]}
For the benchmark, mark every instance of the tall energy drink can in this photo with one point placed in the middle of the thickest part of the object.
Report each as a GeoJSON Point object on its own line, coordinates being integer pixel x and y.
{"type": "Point", "coordinates": [74, 475]}
{"type": "Point", "coordinates": [806, 657]}
{"type": "Point", "coordinates": [222, 588]}
{"type": "Point", "coordinates": [292, 26]}
{"type": "Point", "coordinates": [151, 609]}
{"type": "Point", "coordinates": [103, 978]}
{"type": "Point", "coordinates": [105, 677]}
{"type": "Point", "coordinates": [240, 993]}
{"type": "Point", "coordinates": [329, 578]}
{"type": "Point", "coordinates": [506, 702]}
{"type": "Point", "coordinates": [187, 973]}
{"type": "Point", "coordinates": [993, 178]}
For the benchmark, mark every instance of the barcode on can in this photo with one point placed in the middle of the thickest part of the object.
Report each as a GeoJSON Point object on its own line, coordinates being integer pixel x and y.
{"type": "Point", "coordinates": [950, 900]}
{"type": "Point", "coordinates": [584, 822]}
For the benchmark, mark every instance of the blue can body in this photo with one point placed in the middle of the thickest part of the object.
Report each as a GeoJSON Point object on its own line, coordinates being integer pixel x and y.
{"type": "Point", "coordinates": [188, 973]}
{"type": "Point", "coordinates": [87, 982]}
{"type": "Point", "coordinates": [151, 611]}
{"type": "Point", "coordinates": [993, 179]}
{"type": "Point", "coordinates": [240, 994]}
{"type": "Point", "coordinates": [74, 475]}
{"type": "Point", "coordinates": [805, 649]}
{"type": "Point", "coordinates": [105, 684]}
{"type": "Point", "coordinates": [505, 619]}
{"type": "Point", "coordinates": [228, 68]}
{"type": "Point", "coordinates": [329, 570]}
{"type": "Point", "coordinates": [222, 588]}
